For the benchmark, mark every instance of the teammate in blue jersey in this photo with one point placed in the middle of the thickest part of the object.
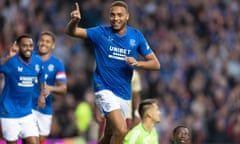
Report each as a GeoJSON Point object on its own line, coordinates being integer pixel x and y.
{"type": "Point", "coordinates": [116, 48]}
{"type": "Point", "coordinates": [22, 72]}
{"type": "Point", "coordinates": [55, 83]}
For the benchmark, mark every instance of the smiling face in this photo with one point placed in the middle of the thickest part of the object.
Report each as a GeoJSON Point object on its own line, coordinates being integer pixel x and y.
{"type": "Point", "coordinates": [45, 44]}
{"type": "Point", "coordinates": [118, 19]}
{"type": "Point", "coordinates": [182, 136]}
{"type": "Point", "coordinates": [25, 48]}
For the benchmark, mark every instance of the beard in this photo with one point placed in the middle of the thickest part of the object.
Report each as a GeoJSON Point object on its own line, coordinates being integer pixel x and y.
{"type": "Point", "coordinates": [118, 28]}
{"type": "Point", "coordinates": [26, 56]}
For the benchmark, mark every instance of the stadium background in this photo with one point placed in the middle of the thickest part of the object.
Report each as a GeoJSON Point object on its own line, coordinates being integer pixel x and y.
{"type": "Point", "coordinates": [196, 41]}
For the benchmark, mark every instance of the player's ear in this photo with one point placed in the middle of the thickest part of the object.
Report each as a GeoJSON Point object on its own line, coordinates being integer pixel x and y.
{"type": "Point", "coordinates": [53, 45]}
{"type": "Point", "coordinates": [148, 114]}
{"type": "Point", "coordinates": [127, 16]}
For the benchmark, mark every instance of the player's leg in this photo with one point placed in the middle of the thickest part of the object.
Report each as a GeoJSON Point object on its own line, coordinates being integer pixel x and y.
{"type": "Point", "coordinates": [11, 142]}
{"type": "Point", "coordinates": [115, 128]}
{"type": "Point", "coordinates": [118, 120]}
{"type": "Point", "coordinates": [111, 106]}
{"type": "Point", "coordinates": [107, 133]}
{"type": "Point", "coordinates": [29, 131]}
{"type": "Point", "coordinates": [44, 122]}
{"type": "Point", "coordinates": [42, 139]}
{"type": "Point", "coordinates": [10, 130]}
{"type": "Point", "coordinates": [102, 124]}
{"type": "Point", "coordinates": [119, 126]}
{"type": "Point", "coordinates": [100, 121]}
{"type": "Point", "coordinates": [32, 140]}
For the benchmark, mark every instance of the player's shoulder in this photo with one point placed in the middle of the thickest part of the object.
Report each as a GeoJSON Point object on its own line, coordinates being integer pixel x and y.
{"type": "Point", "coordinates": [36, 56]}
{"type": "Point", "coordinates": [138, 127]}
{"type": "Point", "coordinates": [56, 59]}
{"type": "Point", "coordinates": [100, 28]}
{"type": "Point", "coordinates": [15, 57]}
{"type": "Point", "coordinates": [135, 132]}
{"type": "Point", "coordinates": [133, 30]}
{"type": "Point", "coordinates": [11, 60]}
{"type": "Point", "coordinates": [36, 59]}
{"type": "Point", "coordinates": [106, 27]}
{"type": "Point", "coordinates": [97, 31]}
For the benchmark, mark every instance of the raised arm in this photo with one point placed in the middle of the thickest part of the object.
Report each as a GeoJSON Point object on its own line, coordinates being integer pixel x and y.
{"type": "Point", "coordinates": [72, 28]}
{"type": "Point", "coordinates": [12, 51]}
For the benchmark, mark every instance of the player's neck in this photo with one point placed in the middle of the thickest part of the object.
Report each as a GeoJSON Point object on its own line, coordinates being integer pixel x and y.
{"type": "Point", "coordinates": [25, 59]}
{"type": "Point", "coordinates": [121, 31]}
{"type": "Point", "coordinates": [45, 56]}
{"type": "Point", "coordinates": [147, 124]}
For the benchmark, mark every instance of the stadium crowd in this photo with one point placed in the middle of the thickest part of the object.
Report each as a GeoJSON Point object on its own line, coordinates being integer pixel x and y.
{"type": "Point", "coordinates": [197, 43]}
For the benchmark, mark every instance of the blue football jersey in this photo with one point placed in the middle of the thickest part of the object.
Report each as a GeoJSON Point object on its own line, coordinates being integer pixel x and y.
{"type": "Point", "coordinates": [112, 71]}
{"type": "Point", "coordinates": [20, 79]}
{"type": "Point", "coordinates": [54, 71]}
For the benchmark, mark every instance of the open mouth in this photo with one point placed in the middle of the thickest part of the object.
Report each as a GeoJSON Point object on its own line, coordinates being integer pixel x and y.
{"type": "Point", "coordinates": [182, 140]}
{"type": "Point", "coordinates": [28, 53]}
{"type": "Point", "coordinates": [42, 47]}
{"type": "Point", "coordinates": [115, 24]}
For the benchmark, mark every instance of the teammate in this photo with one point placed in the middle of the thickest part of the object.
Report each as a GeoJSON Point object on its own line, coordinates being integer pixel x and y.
{"type": "Point", "coordinates": [12, 51]}
{"type": "Point", "coordinates": [55, 83]}
{"type": "Point", "coordinates": [144, 132]}
{"type": "Point", "coordinates": [21, 72]}
{"type": "Point", "coordinates": [116, 48]}
{"type": "Point", "coordinates": [181, 135]}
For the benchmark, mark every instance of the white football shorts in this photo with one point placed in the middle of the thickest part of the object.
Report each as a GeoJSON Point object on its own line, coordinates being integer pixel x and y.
{"type": "Point", "coordinates": [107, 101]}
{"type": "Point", "coordinates": [14, 128]}
{"type": "Point", "coordinates": [44, 122]}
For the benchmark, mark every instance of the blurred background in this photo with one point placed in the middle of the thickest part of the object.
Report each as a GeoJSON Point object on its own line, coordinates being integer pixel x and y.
{"type": "Point", "coordinates": [197, 43]}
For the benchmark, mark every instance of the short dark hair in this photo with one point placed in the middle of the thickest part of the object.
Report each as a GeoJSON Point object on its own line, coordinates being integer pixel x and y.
{"type": "Point", "coordinates": [120, 3]}
{"type": "Point", "coordinates": [49, 34]}
{"type": "Point", "coordinates": [145, 105]}
{"type": "Point", "coordinates": [176, 128]}
{"type": "Point", "coordinates": [23, 36]}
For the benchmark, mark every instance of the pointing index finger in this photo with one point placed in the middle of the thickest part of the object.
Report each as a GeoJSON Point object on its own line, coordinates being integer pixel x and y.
{"type": "Point", "coordinates": [76, 6]}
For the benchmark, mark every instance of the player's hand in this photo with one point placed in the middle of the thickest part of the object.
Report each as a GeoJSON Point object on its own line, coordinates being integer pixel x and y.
{"type": "Point", "coordinates": [75, 14]}
{"type": "Point", "coordinates": [41, 101]}
{"type": "Point", "coordinates": [131, 61]}
{"type": "Point", "coordinates": [13, 50]}
{"type": "Point", "coordinates": [47, 90]}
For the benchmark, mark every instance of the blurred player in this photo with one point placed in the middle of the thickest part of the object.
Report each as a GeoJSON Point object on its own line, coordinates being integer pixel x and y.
{"type": "Point", "coordinates": [55, 77]}
{"type": "Point", "coordinates": [144, 132]}
{"type": "Point", "coordinates": [133, 117]}
{"type": "Point", "coordinates": [12, 51]}
{"type": "Point", "coordinates": [116, 50]}
{"type": "Point", "coordinates": [181, 135]}
{"type": "Point", "coordinates": [22, 72]}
